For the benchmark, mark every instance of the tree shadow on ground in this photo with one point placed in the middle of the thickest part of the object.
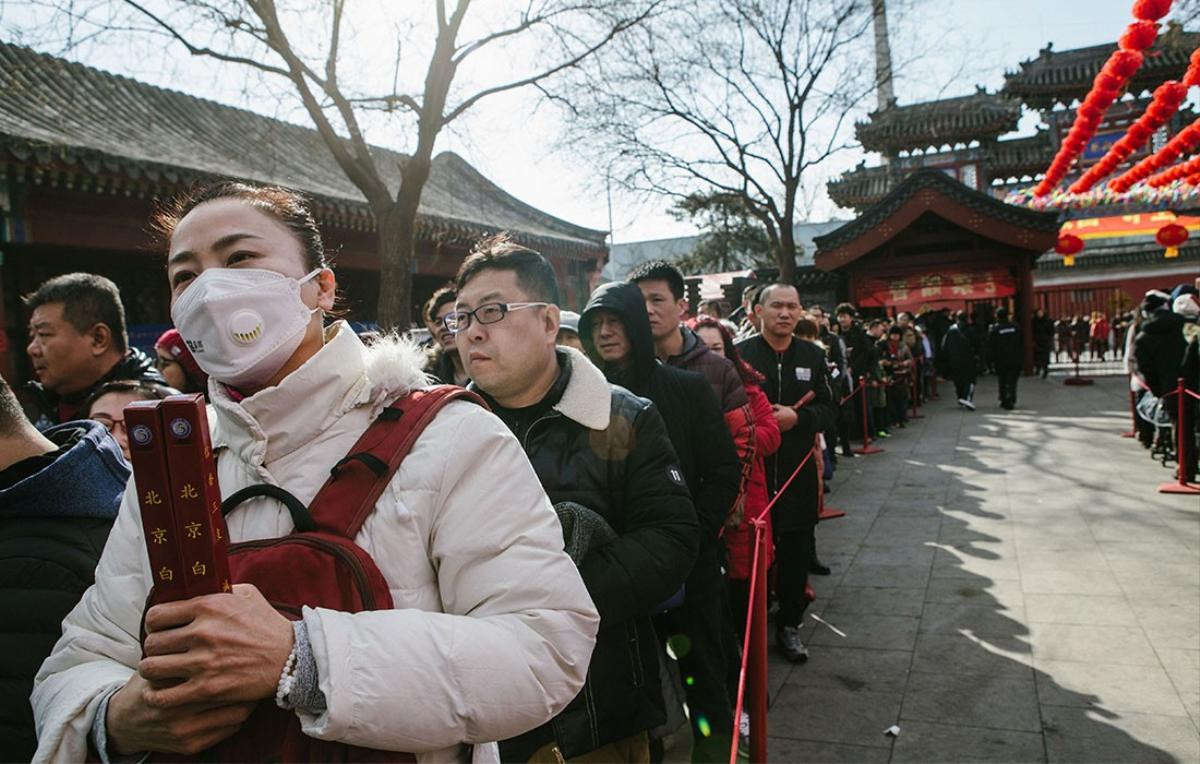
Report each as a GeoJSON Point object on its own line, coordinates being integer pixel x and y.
{"type": "Point", "coordinates": [923, 623]}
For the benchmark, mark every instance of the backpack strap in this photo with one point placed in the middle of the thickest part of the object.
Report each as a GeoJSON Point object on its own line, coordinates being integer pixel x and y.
{"type": "Point", "coordinates": [358, 479]}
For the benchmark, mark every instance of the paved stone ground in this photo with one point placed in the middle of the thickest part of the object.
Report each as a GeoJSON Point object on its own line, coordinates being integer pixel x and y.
{"type": "Point", "coordinates": [1009, 587]}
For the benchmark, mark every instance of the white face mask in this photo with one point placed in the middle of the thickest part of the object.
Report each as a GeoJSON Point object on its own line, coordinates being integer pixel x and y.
{"type": "Point", "coordinates": [242, 324]}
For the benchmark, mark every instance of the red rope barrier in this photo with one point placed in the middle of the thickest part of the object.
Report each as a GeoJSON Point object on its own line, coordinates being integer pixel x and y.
{"type": "Point", "coordinates": [756, 601]}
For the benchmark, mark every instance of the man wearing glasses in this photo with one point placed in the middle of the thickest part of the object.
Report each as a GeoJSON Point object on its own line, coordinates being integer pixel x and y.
{"type": "Point", "coordinates": [604, 458]}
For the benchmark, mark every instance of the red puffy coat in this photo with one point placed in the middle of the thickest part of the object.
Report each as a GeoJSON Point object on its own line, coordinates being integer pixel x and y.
{"type": "Point", "coordinates": [740, 539]}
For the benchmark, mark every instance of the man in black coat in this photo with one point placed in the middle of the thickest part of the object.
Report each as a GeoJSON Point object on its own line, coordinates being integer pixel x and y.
{"type": "Point", "coordinates": [1007, 352]}
{"type": "Point", "coordinates": [1043, 342]}
{"type": "Point", "coordinates": [600, 447]}
{"type": "Point", "coordinates": [616, 333]}
{"type": "Point", "coordinates": [59, 494]}
{"type": "Point", "coordinates": [792, 368]}
{"type": "Point", "coordinates": [77, 343]}
{"type": "Point", "coordinates": [962, 359]}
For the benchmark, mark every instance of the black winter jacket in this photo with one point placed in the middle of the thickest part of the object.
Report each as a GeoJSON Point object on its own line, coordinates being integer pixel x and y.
{"type": "Point", "coordinates": [861, 351]}
{"type": "Point", "coordinates": [789, 375]}
{"type": "Point", "coordinates": [1005, 348]}
{"type": "Point", "coordinates": [55, 514]}
{"type": "Point", "coordinates": [959, 349]}
{"type": "Point", "coordinates": [54, 409]}
{"type": "Point", "coordinates": [1158, 349]}
{"type": "Point", "coordinates": [717, 369]}
{"type": "Point", "coordinates": [602, 447]}
{"type": "Point", "coordinates": [686, 401]}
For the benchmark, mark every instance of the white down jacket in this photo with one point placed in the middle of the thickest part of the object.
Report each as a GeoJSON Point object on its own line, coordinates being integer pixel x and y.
{"type": "Point", "coordinates": [492, 629]}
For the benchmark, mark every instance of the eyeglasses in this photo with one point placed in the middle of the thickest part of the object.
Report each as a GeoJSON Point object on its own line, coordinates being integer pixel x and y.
{"type": "Point", "coordinates": [488, 313]}
{"type": "Point", "coordinates": [109, 423]}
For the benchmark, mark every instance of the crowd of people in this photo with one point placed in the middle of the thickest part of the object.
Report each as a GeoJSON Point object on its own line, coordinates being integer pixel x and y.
{"type": "Point", "coordinates": [568, 549]}
{"type": "Point", "coordinates": [1161, 350]}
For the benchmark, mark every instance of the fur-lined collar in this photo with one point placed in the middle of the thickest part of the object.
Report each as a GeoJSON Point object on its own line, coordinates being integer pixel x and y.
{"type": "Point", "coordinates": [588, 397]}
{"type": "Point", "coordinates": [343, 375]}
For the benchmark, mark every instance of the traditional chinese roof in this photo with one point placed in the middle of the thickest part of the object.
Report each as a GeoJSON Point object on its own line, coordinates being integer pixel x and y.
{"type": "Point", "coordinates": [1020, 157]}
{"type": "Point", "coordinates": [68, 124]}
{"type": "Point", "coordinates": [978, 116]}
{"type": "Point", "coordinates": [1063, 76]}
{"type": "Point", "coordinates": [932, 191]}
{"type": "Point", "coordinates": [859, 188]}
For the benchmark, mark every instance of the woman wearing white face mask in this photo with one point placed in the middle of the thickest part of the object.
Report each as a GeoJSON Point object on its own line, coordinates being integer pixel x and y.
{"type": "Point", "coordinates": [491, 630]}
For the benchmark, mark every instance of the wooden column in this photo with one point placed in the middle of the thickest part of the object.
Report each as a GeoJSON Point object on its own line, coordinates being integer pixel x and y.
{"type": "Point", "coordinates": [1025, 309]}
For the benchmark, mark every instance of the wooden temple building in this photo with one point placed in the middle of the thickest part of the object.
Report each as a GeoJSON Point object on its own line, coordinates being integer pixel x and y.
{"type": "Point", "coordinates": [964, 139]}
{"type": "Point", "coordinates": [84, 154]}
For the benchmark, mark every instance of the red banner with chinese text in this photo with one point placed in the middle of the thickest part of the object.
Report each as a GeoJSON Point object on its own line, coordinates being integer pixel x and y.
{"type": "Point", "coordinates": [918, 289]}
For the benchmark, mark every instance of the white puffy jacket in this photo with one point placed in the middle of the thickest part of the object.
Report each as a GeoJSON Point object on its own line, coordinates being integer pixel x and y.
{"type": "Point", "coordinates": [492, 629]}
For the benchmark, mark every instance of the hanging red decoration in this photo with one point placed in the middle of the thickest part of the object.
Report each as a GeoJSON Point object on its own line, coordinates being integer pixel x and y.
{"type": "Point", "coordinates": [1192, 76]}
{"type": "Point", "coordinates": [1068, 244]}
{"type": "Point", "coordinates": [1116, 72]}
{"type": "Point", "coordinates": [1139, 35]}
{"type": "Point", "coordinates": [1151, 10]}
{"type": "Point", "coordinates": [1186, 141]}
{"type": "Point", "coordinates": [1171, 236]}
{"type": "Point", "coordinates": [1167, 99]}
{"type": "Point", "coordinates": [1187, 169]}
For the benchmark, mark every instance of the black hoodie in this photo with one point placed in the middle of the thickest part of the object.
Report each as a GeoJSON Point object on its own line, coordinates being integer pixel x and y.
{"type": "Point", "coordinates": [685, 399]}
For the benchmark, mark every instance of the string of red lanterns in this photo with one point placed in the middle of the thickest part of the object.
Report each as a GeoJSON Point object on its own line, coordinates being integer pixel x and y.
{"type": "Point", "coordinates": [1187, 169]}
{"type": "Point", "coordinates": [1184, 143]}
{"type": "Point", "coordinates": [1106, 88]}
{"type": "Point", "coordinates": [1167, 99]}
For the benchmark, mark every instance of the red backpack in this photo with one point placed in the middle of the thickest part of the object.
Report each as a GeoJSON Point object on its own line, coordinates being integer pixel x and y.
{"type": "Point", "coordinates": [319, 565]}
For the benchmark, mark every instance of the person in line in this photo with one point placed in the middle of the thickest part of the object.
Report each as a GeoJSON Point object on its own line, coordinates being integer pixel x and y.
{"type": "Point", "coordinates": [675, 344]}
{"type": "Point", "coordinates": [617, 332]}
{"type": "Point", "coordinates": [491, 628]}
{"type": "Point", "coordinates": [792, 368]}
{"type": "Point", "coordinates": [1007, 351]}
{"type": "Point", "coordinates": [860, 362]}
{"type": "Point", "coordinates": [177, 364]}
{"type": "Point", "coordinates": [896, 361]}
{"type": "Point", "coordinates": [1043, 342]}
{"type": "Point", "coordinates": [59, 493]}
{"type": "Point", "coordinates": [444, 365]}
{"type": "Point", "coordinates": [568, 330]}
{"type": "Point", "coordinates": [77, 342]}
{"type": "Point", "coordinates": [841, 380]}
{"type": "Point", "coordinates": [739, 527]}
{"type": "Point", "coordinates": [958, 348]}
{"type": "Point", "coordinates": [1187, 306]}
{"type": "Point", "coordinates": [604, 456]}
{"type": "Point", "coordinates": [107, 405]}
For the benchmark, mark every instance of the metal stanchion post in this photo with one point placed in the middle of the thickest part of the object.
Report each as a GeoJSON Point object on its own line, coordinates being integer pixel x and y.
{"type": "Point", "coordinates": [867, 448]}
{"type": "Point", "coordinates": [758, 659]}
{"type": "Point", "coordinates": [1182, 485]}
{"type": "Point", "coordinates": [1132, 416]}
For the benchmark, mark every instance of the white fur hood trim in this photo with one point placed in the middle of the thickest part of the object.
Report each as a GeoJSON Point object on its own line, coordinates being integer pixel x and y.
{"type": "Point", "coordinates": [588, 397]}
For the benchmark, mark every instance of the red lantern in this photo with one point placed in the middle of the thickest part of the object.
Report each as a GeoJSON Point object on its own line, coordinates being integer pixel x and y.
{"type": "Point", "coordinates": [1151, 10]}
{"type": "Point", "coordinates": [1171, 236]}
{"type": "Point", "coordinates": [1068, 246]}
{"type": "Point", "coordinates": [1139, 35]}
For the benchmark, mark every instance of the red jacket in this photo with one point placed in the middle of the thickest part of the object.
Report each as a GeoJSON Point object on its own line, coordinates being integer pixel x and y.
{"type": "Point", "coordinates": [740, 539]}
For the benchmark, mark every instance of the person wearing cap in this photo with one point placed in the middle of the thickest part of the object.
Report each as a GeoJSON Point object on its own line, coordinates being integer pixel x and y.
{"type": "Point", "coordinates": [177, 365]}
{"type": "Point", "coordinates": [1158, 347]}
{"type": "Point", "coordinates": [568, 330]}
{"type": "Point", "coordinates": [1187, 306]}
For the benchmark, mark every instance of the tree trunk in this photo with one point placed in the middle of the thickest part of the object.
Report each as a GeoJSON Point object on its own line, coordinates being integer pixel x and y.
{"type": "Point", "coordinates": [787, 255]}
{"type": "Point", "coordinates": [397, 235]}
{"type": "Point", "coordinates": [395, 232]}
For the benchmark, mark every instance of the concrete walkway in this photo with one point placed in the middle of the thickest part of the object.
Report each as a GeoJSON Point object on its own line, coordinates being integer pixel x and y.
{"type": "Point", "coordinates": [1008, 587]}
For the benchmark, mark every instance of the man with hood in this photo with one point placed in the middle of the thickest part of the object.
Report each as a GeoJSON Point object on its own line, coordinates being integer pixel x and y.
{"type": "Point", "coordinates": [77, 343]}
{"type": "Point", "coordinates": [616, 334]}
{"type": "Point", "coordinates": [959, 350]}
{"type": "Point", "coordinates": [59, 494]}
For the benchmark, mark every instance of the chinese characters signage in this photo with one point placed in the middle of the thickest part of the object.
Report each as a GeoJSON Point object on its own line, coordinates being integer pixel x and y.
{"type": "Point", "coordinates": [915, 290]}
